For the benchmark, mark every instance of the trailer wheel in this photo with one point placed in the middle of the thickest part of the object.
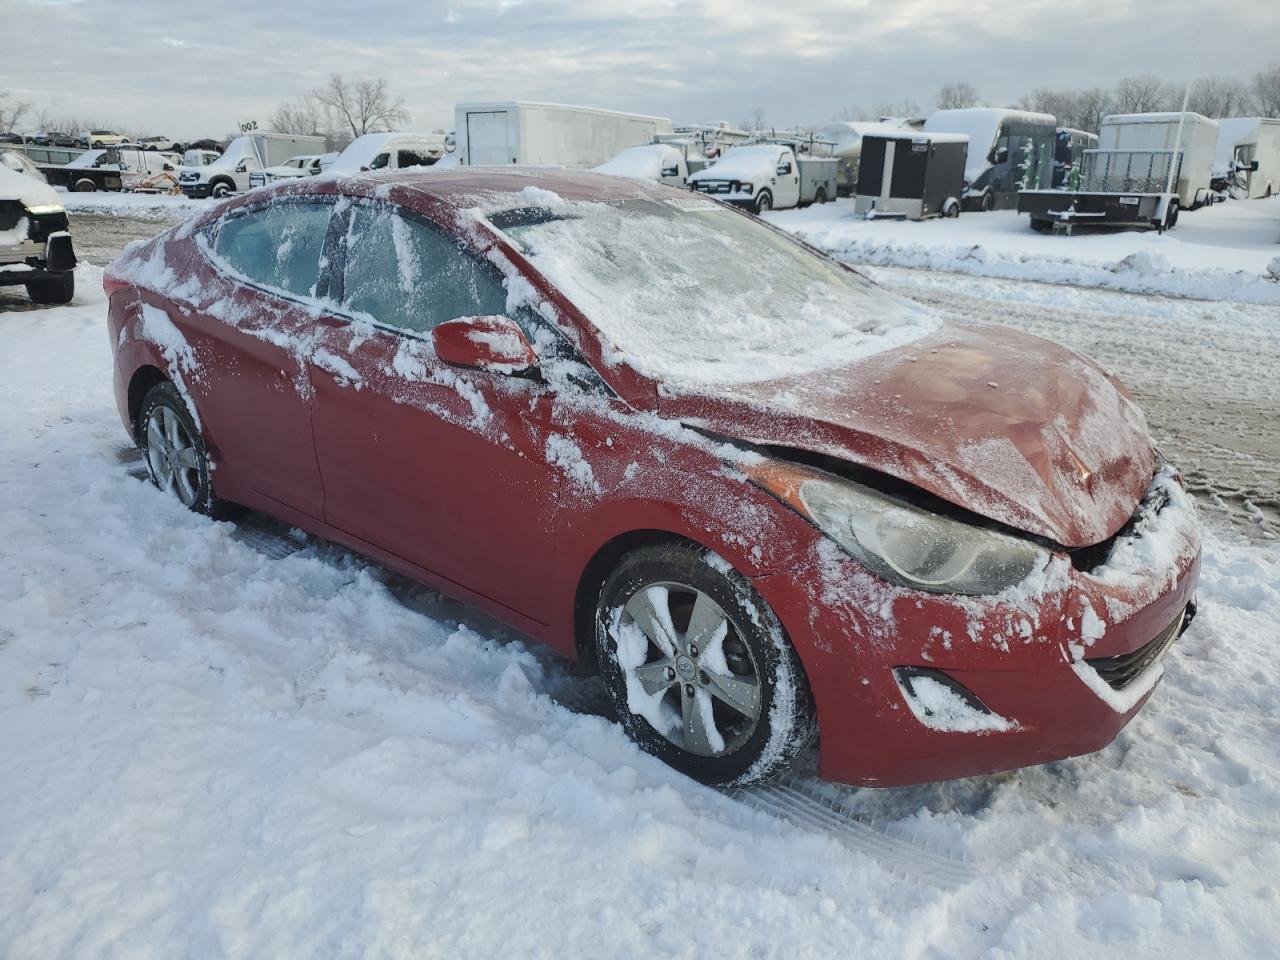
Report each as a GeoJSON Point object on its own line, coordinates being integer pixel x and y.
{"type": "Point", "coordinates": [764, 202]}
{"type": "Point", "coordinates": [85, 185]}
{"type": "Point", "coordinates": [1171, 215]}
{"type": "Point", "coordinates": [1040, 225]}
{"type": "Point", "coordinates": [951, 207]}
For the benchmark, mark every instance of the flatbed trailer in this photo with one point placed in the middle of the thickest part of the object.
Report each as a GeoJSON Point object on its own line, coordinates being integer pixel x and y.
{"type": "Point", "coordinates": [1058, 211]}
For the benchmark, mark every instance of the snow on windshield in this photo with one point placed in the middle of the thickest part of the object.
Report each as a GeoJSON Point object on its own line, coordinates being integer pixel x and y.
{"type": "Point", "coordinates": [690, 292]}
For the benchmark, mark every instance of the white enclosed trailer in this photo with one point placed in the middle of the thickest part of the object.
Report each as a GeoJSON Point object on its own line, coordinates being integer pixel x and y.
{"type": "Point", "coordinates": [548, 134]}
{"type": "Point", "coordinates": [1147, 132]}
{"type": "Point", "coordinates": [1248, 156]}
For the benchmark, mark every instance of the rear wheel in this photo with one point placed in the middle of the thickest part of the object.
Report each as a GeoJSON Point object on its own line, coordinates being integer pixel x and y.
{"type": "Point", "coordinates": [988, 202]}
{"type": "Point", "coordinates": [85, 185]}
{"type": "Point", "coordinates": [764, 202]}
{"type": "Point", "coordinates": [698, 668]}
{"type": "Point", "coordinates": [173, 448]}
{"type": "Point", "coordinates": [820, 195]}
{"type": "Point", "coordinates": [53, 288]}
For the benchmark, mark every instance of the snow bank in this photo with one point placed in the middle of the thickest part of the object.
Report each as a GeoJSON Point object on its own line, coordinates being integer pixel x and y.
{"type": "Point", "coordinates": [160, 207]}
{"type": "Point", "coordinates": [1217, 253]}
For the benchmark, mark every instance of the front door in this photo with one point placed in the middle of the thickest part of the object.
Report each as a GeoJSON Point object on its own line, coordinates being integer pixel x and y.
{"type": "Point", "coordinates": [441, 466]}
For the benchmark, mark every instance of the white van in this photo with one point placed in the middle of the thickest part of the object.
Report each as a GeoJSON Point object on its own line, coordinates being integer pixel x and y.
{"type": "Point", "coordinates": [389, 151]}
{"type": "Point", "coordinates": [655, 162]}
{"type": "Point", "coordinates": [1248, 157]}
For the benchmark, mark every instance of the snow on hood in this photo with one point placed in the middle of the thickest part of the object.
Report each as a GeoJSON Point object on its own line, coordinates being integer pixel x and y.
{"type": "Point", "coordinates": [743, 163]}
{"type": "Point", "coordinates": [1002, 423]}
{"type": "Point", "coordinates": [28, 190]}
{"type": "Point", "coordinates": [644, 162]}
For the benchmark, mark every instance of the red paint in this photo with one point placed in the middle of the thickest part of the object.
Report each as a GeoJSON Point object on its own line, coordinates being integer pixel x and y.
{"type": "Point", "coordinates": [464, 478]}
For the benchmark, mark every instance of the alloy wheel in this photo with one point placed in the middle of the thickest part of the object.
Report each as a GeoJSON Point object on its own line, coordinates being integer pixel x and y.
{"type": "Point", "coordinates": [172, 456]}
{"type": "Point", "coordinates": [687, 665]}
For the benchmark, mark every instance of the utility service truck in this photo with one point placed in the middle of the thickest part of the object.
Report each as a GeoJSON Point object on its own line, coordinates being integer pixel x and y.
{"type": "Point", "coordinates": [768, 176]}
{"type": "Point", "coordinates": [548, 134]}
{"type": "Point", "coordinates": [245, 155]}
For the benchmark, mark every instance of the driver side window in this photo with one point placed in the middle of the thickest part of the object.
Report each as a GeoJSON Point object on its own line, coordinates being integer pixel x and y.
{"type": "Point", "coordinates": [403, 274]}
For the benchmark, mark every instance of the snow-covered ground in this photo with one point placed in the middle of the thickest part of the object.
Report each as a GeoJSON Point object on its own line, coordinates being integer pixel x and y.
{"type": "Point", "coordinates": [1230, 250]}
{"type": "Point", "coordinates": [218, 743]}
{"type": "Point", "coordinates": [159, 207]}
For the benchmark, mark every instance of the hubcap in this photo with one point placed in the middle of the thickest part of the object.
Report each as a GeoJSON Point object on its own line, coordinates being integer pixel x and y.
{"type": "Point", "coordinates": [171, 455]}
{"type": "Point", "coordinates": [687, 669]}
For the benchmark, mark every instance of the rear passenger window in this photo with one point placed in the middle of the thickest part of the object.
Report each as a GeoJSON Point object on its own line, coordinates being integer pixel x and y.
{"type": "Point", "coordinates": [406, 275]}
{"type": "Point", "coordinates": [278, 246]}
{"type": "Point", "coordinates": [412, 158]}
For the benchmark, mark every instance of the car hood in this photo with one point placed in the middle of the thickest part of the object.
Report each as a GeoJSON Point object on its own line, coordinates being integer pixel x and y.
{"type": "Point", "coordinates": [1001, 423]}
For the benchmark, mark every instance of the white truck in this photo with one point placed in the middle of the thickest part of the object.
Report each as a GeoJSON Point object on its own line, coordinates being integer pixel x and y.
{"type": "Point", "coordinates": [1248, 157]}
{"type": "Point", "coordinates": [548, 134]}
{"type": "Point", "coordinates": [243, 156]}
{"type": "Point", "coordinates": [768, 176]}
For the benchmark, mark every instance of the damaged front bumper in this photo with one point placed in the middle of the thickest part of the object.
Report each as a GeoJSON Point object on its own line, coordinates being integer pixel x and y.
{"type": "Point", "coordinates": [914, 687]}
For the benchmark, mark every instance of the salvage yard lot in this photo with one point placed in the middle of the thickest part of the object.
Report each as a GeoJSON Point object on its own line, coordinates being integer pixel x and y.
{"type": "Point", "coordinates": [236, 741]}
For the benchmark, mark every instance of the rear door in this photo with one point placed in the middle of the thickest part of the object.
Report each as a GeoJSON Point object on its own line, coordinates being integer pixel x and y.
{"type": "Point", "coordinates": [251, 328]}
{"type": "Point", "coordinates": [443, 467]}
{"type": "Point", "coordinates": [489, 139]}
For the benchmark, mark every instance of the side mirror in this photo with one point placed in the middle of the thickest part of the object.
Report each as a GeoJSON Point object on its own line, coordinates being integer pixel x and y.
{"type": "Point", "coordinates": [1000, 155]}
{"type": "Point", "coordinates": [671, 171]}
{"type": "Point", "coordinates": [784, 169]}
{"type": "Point", "coordinates": [242, 166]}
{"type": "Point", "coordinates": [168, 166]}
{"type": "Point", "coordinates": [1253, 166]}
{"type": "Point", "coordinates": [493, 344]}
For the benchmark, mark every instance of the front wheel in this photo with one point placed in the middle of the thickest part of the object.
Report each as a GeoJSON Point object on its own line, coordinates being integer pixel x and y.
{"type": "Point", "coordinates": [988, 202]}
{"type": "Point", "coordinates": [55, 288]}
{"type": "Point", "coordinates": [221, 189]}
{"type": "Point", "coordinates": [85, 185]}
{"type": "Point", "coordinates": [764, 202]}
{"type": "Point", "coordinates": [698, 668]}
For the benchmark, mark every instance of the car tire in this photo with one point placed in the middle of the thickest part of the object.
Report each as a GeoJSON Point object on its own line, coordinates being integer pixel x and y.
{"type": "Point", "coordinates": [85, 185]}
{"type": "Point", "coordinates": [54, 288]}
{"type": "Point", "coordinates": [173, 449]}
{"type": "Point", "coordinates": [220, 189]}
{"type": "Point", "coordinates": [97, 144]}
{"type": "Point", "coordinates": [735, 711]}
{"type": "Point", "coordinates": [763, 202]}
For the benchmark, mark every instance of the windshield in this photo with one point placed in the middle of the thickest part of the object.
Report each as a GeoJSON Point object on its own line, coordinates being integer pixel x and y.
{"type": "Point", "coordinates": [692, 292]}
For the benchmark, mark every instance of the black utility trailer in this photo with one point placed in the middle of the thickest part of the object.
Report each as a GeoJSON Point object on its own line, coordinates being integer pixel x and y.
{"type": "Point", "coordinates": [1118, 188]}
{"type": "Point", "coordinates": [911, 176]}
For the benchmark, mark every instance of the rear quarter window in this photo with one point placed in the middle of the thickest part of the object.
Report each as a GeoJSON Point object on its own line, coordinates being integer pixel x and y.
{"type": "Point", "coordinates": [278, 246]}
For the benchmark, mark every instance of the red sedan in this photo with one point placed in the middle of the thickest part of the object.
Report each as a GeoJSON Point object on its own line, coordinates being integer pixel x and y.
{"type": "Point", "coordinates": [762, 496]}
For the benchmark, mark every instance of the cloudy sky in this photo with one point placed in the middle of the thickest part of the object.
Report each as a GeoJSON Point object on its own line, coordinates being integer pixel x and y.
{"type": "Point", "coordinates": [194, 69]}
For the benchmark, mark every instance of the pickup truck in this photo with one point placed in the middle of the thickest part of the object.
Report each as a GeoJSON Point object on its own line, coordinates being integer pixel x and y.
{"type": "Point", "coordinates": [768, 176]}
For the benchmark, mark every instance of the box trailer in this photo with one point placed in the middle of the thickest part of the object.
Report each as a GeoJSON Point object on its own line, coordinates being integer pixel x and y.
{"type": "Point", "coordinates": [847, 150]}
{"type": "Point", "coordinates": [911, 175]}
{"type": "Point", "coordinates": [548, 134]}
{"type": "Point", "coordinates": [1009, 151]}
{"type": "Point", "coordinates": [1247, 161]}
{"type": "Point", "coordinates": [1159, 131]}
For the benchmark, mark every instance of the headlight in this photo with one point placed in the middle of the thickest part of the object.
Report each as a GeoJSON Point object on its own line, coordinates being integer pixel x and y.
{"type": "Point", "coordinates": [43, 208]}
{"type": "Point", "coordinates": [903, 544]}
{"type": "Point", "coordinates": [745, 187]}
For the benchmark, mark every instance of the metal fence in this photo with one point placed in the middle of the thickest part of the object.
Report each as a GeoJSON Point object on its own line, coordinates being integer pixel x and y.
{"type": "Point", "coordinates": [1129, 171]}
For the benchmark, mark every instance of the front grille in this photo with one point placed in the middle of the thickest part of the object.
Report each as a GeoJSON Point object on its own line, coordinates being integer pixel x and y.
{"type": "Point", "coordinates": [1120, 671]}
{"type": "Point", "coordinates": [11, 211]}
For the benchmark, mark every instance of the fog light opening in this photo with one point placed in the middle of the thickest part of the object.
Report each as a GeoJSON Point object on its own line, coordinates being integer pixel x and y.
{"type": "Point", "coordinates": [941, 703]}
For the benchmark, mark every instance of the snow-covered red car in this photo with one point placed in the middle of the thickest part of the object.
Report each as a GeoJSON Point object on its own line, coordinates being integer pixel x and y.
{"type": "Point", "coordinates": [762, 496]}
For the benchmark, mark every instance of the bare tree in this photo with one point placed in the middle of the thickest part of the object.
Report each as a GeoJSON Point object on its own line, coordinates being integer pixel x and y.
{"type": "Point", "coordinates": [363, 105]}
{"type": "Point", "coordinates": [1220, 97]}
{"type": "Point", "coordinates": [1078, 109]}
{"type": "Point", "coordinates": [848, 114]}
{"type": "Point", "coordinates": [1146, 94]}
{"type": "Point", "coordinates": [12, 110]}
{"type": "Point", "coordinates": [900, 108]}
{"type": "Point", "coordinates": [1266, 91]}
{"type": "Point", "coordinates": [755, 120]}
{"type": "Point", "coordinates": [957, 96]}
{"type": "Point", "coordinates": [303, 116]}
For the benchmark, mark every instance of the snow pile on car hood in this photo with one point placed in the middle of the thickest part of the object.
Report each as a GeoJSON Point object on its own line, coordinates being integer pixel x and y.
{"type": "Point", "coordinates": [28, 191]}
{"type": "Point", "coordinates": [743, 163]}
{"type": "Point", "coordinates": [645, 162]}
